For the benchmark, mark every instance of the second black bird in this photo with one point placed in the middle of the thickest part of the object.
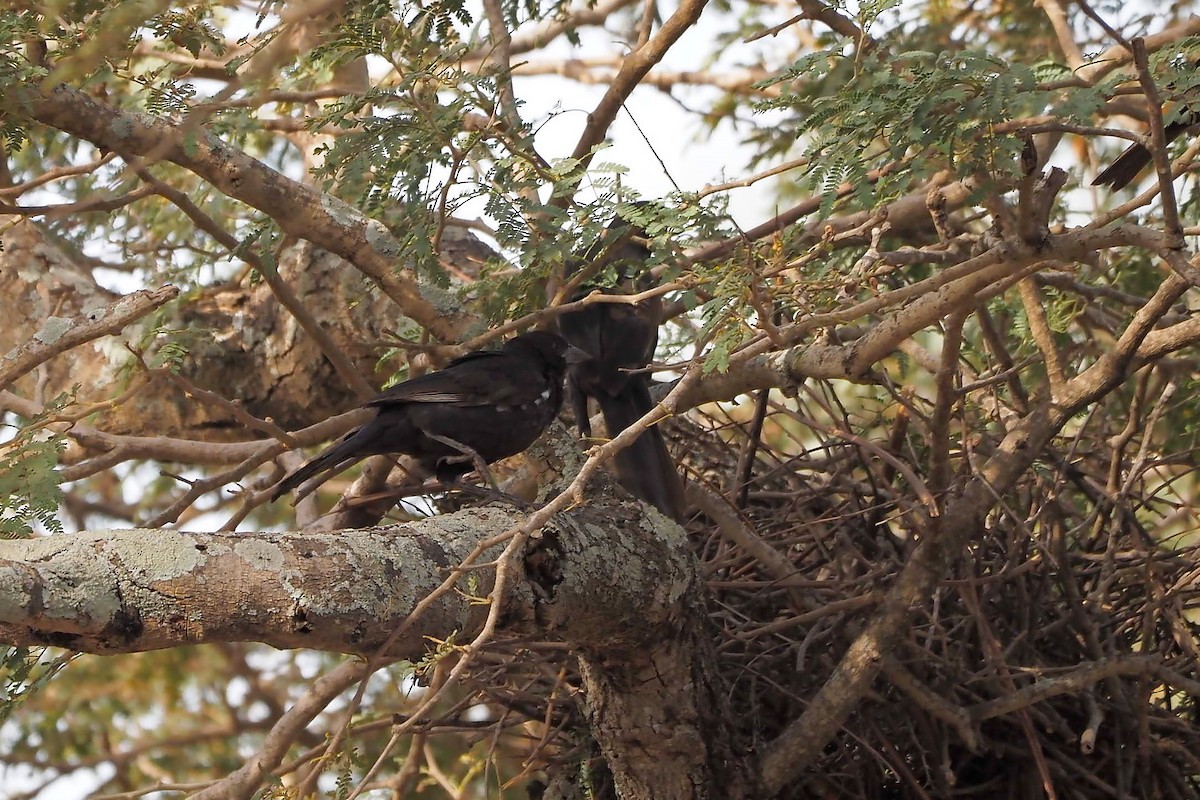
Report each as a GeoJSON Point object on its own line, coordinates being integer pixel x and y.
{"type": "Point", "coordinates": [490, 404]}
{"type": "Point", "coordinates": [618, 340]}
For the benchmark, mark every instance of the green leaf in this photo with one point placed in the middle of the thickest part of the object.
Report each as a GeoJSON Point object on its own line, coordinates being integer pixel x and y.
{"type": "Point", "coordinates": [29, 490]}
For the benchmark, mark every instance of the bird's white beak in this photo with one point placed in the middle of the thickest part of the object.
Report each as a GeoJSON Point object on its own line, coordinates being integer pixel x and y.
{"type": "Point", "coordinates": [576, 356]}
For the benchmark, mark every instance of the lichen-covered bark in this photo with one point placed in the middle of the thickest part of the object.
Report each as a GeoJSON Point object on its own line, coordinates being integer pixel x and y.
{"type": "Point", "coordinates": [631, 606]}
{"type": "Point", "coordinates": [615, 580]}
{"type": "Point", "coordinates": [127, 591]}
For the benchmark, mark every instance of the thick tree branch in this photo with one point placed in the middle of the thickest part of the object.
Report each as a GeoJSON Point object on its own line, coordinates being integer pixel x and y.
{"type": "Point", "coordinates": [244, 782]}
{"type": "Point", "coordinates": [270, 274]}
{"type": "Point", "coordinates": [166, 448]}
{"type": "Point", "coordinates": [633, 69]}
{"type": "Point", "coordinates": [125, 591]}
{"type": "Point", "coordinates": [614, 582]}
{"type": "Point", "coordinates": [136, 590]}
{"type": "Point", "coordinates": [299, 210]}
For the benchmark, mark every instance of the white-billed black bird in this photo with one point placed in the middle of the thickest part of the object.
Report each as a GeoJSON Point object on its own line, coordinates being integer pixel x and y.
{"type": "Point", "coordinates": [489, 404]}
{"type": "Point", "coordinates": [618, 339]}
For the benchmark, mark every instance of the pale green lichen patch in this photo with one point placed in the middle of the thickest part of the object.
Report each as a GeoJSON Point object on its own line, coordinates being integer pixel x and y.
{"type": "Point", "coordinates": [445, 301]}
{"type": "Point", "coordinates": [45, 548]}
{"type": "Point", "coordinates": [460, 531]}
{"type": "Point", "coordinates": [156, 555]}
{"type": "Point", "coordinates": [123, 126]}
{"type": "Point", "coordinates": [370, 581]}
{"type": "Point", "coordinates": [382, 240]}
{"type": "Point", "coordinates": [402, 565]}
{"type": "Point", "coordinates": [260, 554]}
{"type": "Point", "coordinates": [14, 598]}
{"type": "Point", "coordinates": [341, 212]}
{"type": "Point", "coordinates": [76, 586]}
{"type": "Point", "coordinates": [52, 330]}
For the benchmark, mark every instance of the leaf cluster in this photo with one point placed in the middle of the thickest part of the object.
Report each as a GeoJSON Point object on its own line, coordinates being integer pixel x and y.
{"type": "Point", "coordinates": [24, 671]}
{"type": "Point", "coordinates": [29, 491]}
{"type": "Point", "coordinates": [928, 110]}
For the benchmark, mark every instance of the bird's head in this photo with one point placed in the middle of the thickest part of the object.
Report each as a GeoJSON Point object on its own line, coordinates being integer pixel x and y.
{"type": "Point", "coordinates": [550, 347]}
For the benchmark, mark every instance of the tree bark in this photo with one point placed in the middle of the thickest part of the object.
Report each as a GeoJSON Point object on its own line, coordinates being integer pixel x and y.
{"type": "Point", "coordinates": [240, 342]}
{"type": "Point", "coordinates": [126, 591]}
{"type": "Point", "coordinates": [615, 580]}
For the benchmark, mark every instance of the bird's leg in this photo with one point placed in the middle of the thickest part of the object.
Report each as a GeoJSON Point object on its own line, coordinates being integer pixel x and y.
{"type": "Point", "coordinates": [579, 405]}
{"type": "Point", "coordinates": [482, 468]}
{"type": "Point", "coordinates": [490, 494]}
{"type": "Point", "coordinates": [467, 455]}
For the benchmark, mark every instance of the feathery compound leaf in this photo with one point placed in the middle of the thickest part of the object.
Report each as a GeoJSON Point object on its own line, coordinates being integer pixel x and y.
{"type": "Point", "coordinates": [29, 492]}
{"type": "Point", "coordinates": [23, 672]}
{"type": "Point", "coordinates": [928, 109]}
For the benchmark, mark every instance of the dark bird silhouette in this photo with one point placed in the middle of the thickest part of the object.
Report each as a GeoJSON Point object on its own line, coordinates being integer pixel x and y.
{"type": "Point", "coordinates": [617, 338]}
{"type": "Point", "coordinates": [1121, 172]}
{"type": "Point", "coordinates": [483, 407]}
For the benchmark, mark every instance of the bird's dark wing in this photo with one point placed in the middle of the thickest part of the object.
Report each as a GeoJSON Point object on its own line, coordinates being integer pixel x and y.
{"type": "Point", "coordinates": [476, 379]}
{"type": "Point", "coordinates": [485, 405]}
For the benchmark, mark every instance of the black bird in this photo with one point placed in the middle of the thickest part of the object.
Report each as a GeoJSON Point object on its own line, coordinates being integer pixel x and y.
{"type": "Point", "coordinates": [487, 405]}
{"type": "Point", "coordinates": [617, 338]}
{"type": "Point", "coordinates": [1121, 172]}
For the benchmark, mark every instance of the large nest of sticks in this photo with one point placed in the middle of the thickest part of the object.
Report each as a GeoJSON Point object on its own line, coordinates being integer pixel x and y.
{"type": "Point", "coordinates": [1060, 650]}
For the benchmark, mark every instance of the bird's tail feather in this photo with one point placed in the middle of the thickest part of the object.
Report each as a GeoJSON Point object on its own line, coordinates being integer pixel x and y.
{"type": "Point", "coordinates": [645, 468]}
{"type": "Point", "coordinates": [1121, 172]}
{"type": "Point", "coordinates": [1124, 168]}
{"type": "Point", "coordinates": [337, 457]}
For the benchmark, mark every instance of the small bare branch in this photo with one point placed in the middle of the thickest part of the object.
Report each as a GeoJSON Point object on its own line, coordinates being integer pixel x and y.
{"type": "Point", "coordinates": [60, 335]}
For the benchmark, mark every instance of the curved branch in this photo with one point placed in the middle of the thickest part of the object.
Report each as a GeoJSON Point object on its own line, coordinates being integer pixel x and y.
{"type": "Point", "coordinates": [286, 730]}
{"type": "Point", "coordinates": [300, 210]}
{"type": "Point", "coordinates": [633, 69]}
{"type": "Point", "coordinates": [59, 335]}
